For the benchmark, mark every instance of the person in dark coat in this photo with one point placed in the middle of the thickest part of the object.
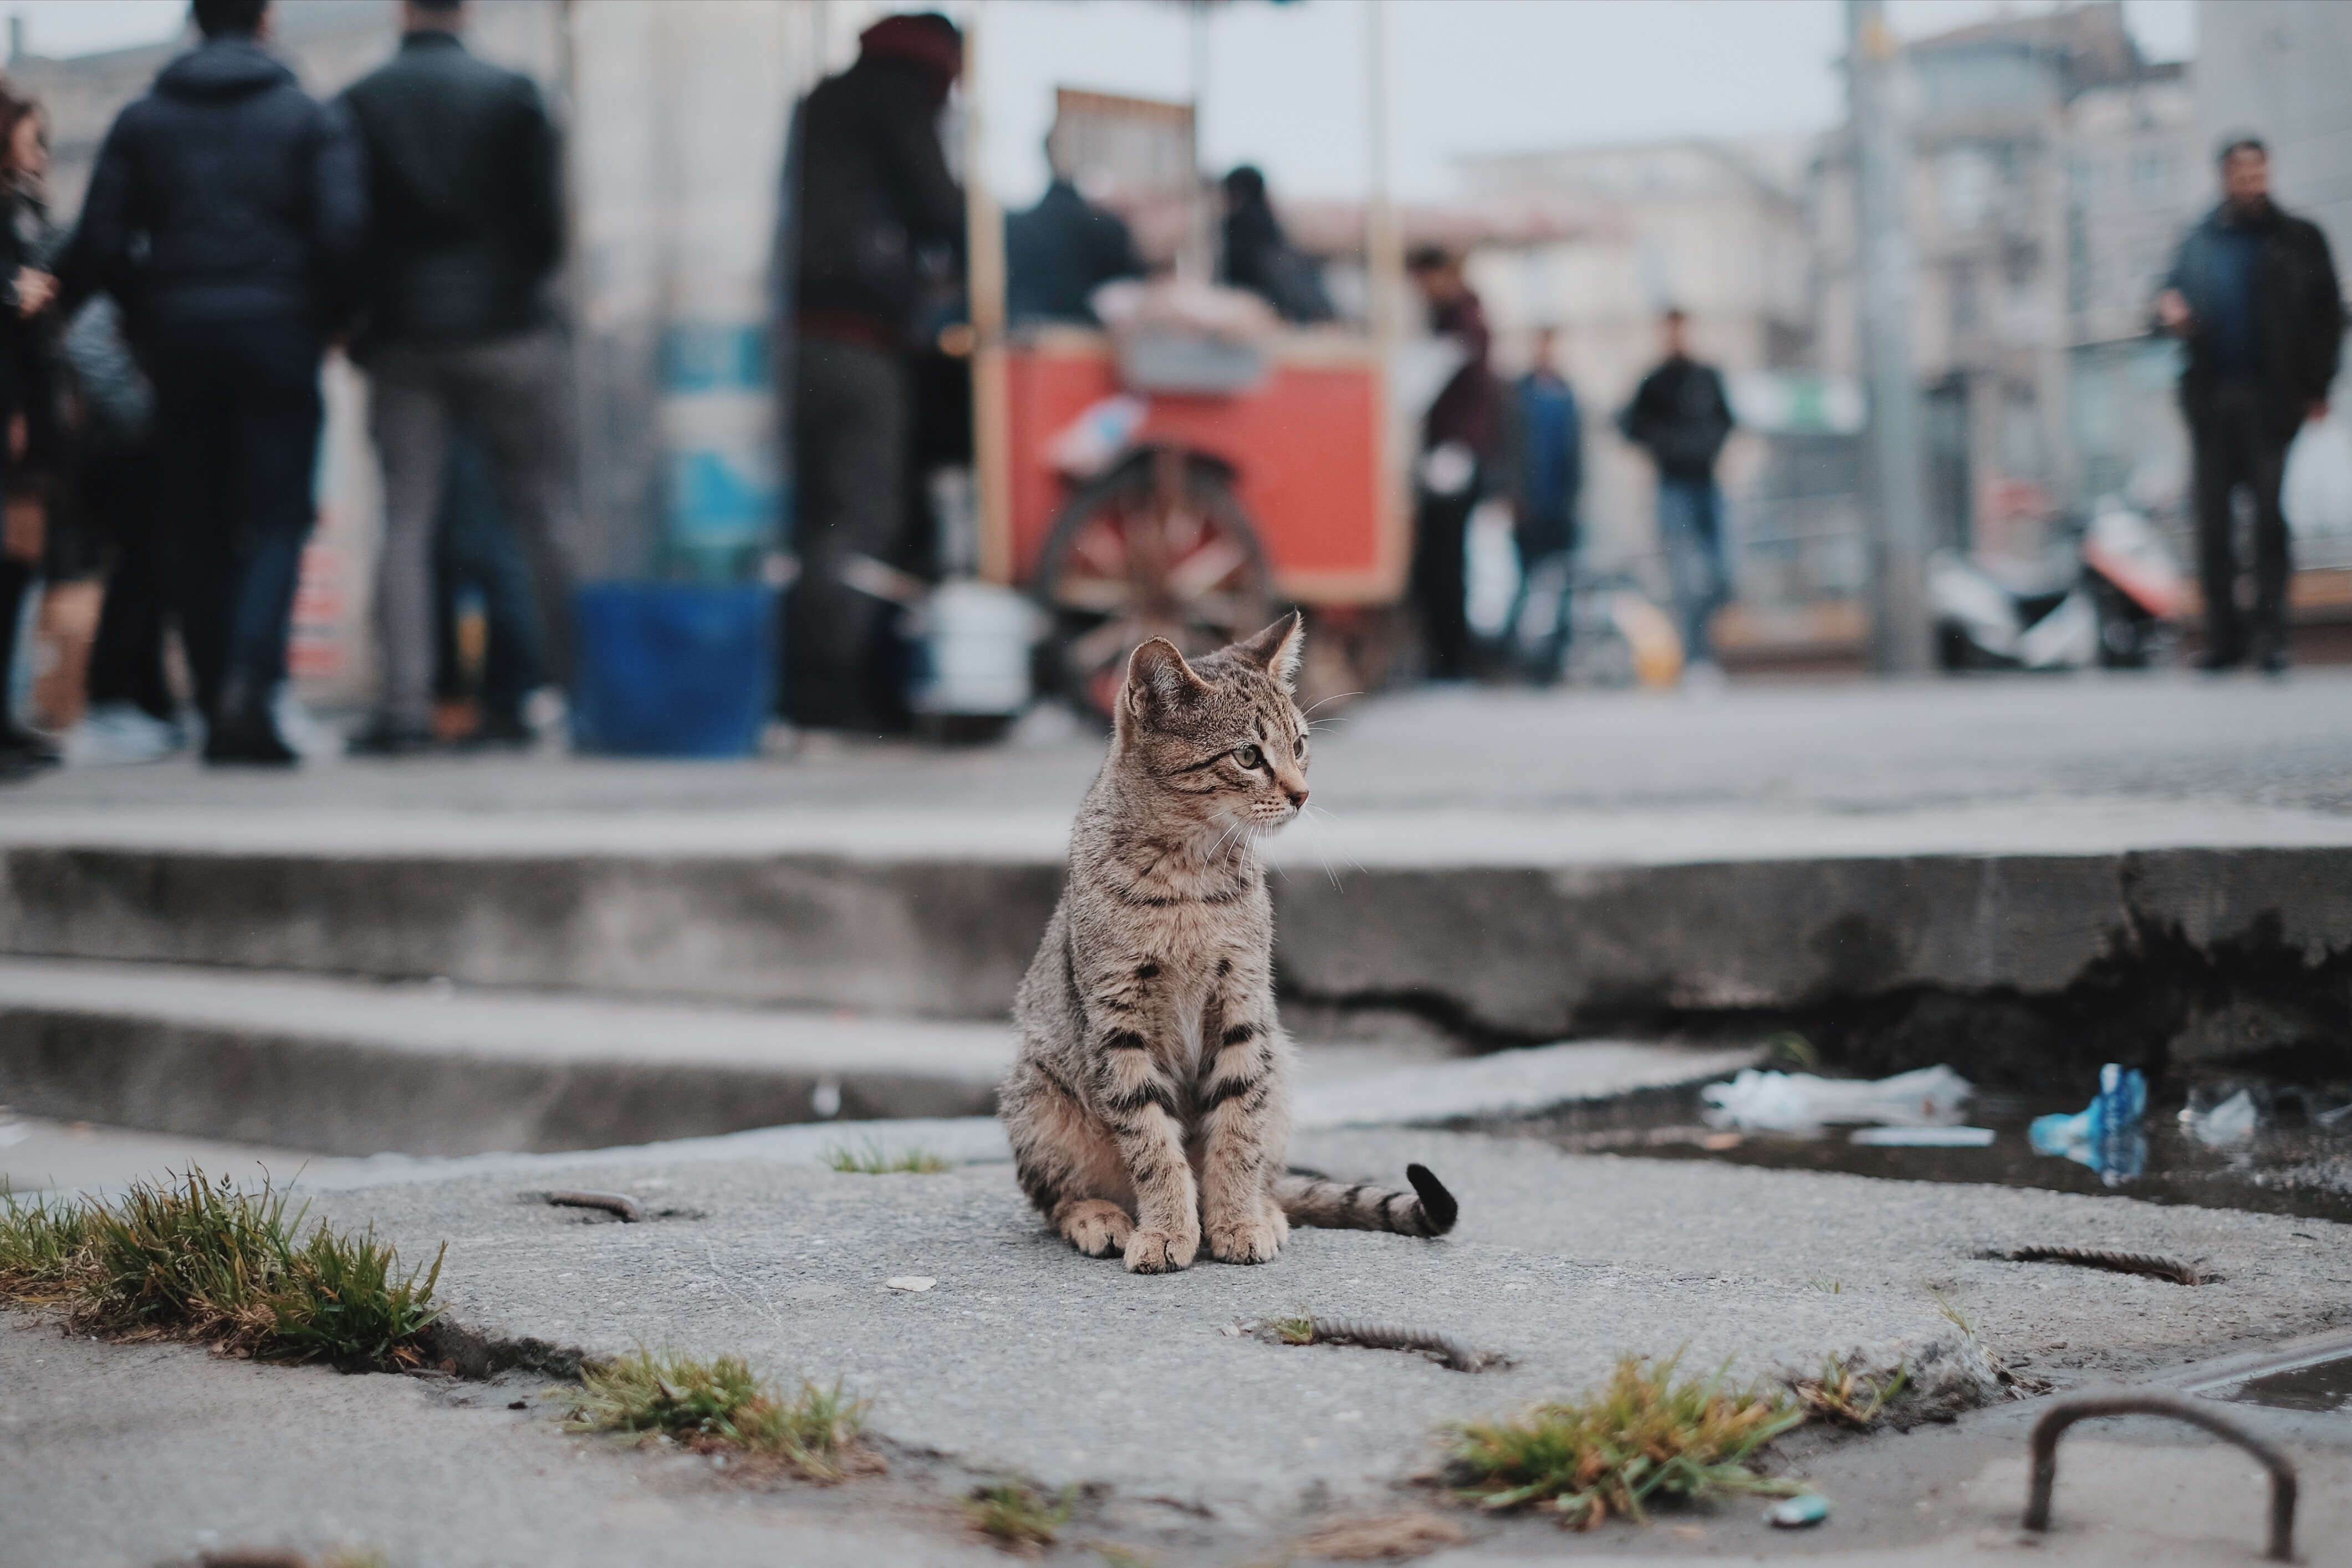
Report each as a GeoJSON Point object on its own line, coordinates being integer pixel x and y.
{"type": "Point", "coordinates": [875, 195]}
{"type": "Point", "coordinates": [1543, 466]}
{"type": "Point", "coordinates": [1259, 256]}
{"type": "Point", "coordinates": [467, 185]}
{"type": "Point", "coordinates": [1460, 436]}
{"type": "Point", "coordinates": [1057, 252]}
{"type": "Point", "coordinates": [29, 435]}
{"type": "Point", "coordinates": [1681, 416]}
{"type": "Point", "coordinates": [2253, 290]}
{"type": "Point", "coordinates": [227, 213]}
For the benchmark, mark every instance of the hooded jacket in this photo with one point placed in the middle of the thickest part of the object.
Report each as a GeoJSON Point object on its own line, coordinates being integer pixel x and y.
{"type": "Point", "coordinates": [467, 189]}
{"type": "Point", "coordinates": [228, 194]}
{"type": "Point", "coordinates": [2298, 312]}
{"type": "Point", "coordinates": [875, 188]}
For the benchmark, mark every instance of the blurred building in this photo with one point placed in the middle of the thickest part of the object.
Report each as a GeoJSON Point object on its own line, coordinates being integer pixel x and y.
{"type": "Point", "coordinates": [2052, 168]}
{"type": "Point", "coordinates": [674, 114]}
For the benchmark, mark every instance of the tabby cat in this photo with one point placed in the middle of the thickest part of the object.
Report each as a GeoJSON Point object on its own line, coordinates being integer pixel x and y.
{"type": "Point", "coordinates": [1149, 1105]}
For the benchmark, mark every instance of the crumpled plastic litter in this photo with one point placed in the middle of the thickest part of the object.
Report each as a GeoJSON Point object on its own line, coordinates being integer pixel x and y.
{"type": "Point", "coordinates": [2225, 1125]}
{"type": "Point", "coordinates": [1799, 1102]}
{"type": "Point", "coordinates": [2105, 1134]}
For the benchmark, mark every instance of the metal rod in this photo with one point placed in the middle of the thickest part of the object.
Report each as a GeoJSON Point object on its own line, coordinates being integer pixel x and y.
{"type": "Point", "coordinates": [2052, 1427]}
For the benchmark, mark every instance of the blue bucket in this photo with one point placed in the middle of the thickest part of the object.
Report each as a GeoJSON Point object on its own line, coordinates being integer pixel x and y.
{"type": "Point", "coordinates": [667, 669]}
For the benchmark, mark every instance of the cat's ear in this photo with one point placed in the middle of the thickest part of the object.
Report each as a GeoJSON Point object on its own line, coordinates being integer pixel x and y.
{"type": "Point", "coordinates": [1157, 672]}
{"type": "Point", "coordinates": [1278, 648]}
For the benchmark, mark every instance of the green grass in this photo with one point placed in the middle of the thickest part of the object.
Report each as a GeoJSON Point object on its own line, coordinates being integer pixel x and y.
{"type": "Point", "coordinates": [204, 1260]}
{"type": "Point", "coordinates": [873, 1160]}
{"type": "Point", "coordinates": [721, 1402]}
{"type": "Point", "coordinates": [1015, 1515]}
{"type": "Point", "coordinates": [1641, 1437]}
{"type": "Point", "coordinates": [44, 1246]}
{"type": "Point", "coordinates": [1950, 1311]}
{"type": "Point", "coordinates": [1296, 1329]}
{"type": "Point", "coordinates": [1843, 1398]}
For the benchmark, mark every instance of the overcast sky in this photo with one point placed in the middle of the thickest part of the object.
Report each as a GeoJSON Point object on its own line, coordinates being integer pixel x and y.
{"type": "Point", "coordinates": [1287, 84]}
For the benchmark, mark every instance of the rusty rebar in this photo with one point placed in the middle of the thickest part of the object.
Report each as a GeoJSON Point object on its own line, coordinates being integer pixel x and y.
{"type": "Point", "coordinates": [2047, 1431]}
{"type": "Point", "coordinates": [616, 1204]}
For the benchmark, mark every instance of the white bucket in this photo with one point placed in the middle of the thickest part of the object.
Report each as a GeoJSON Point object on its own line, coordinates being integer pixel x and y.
{"type": "Point", "coordinates": [976, 638]}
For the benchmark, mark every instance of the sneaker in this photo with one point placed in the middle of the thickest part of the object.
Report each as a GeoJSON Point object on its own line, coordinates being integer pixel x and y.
{"type": "Point", "coordinates": [501, 731]}
{"type": "Point", "coordinates": [382, 737]}
{"type": "Point", "coordinates": [244, 737]}
{"type": "Point", "coordinates": [300, 729]}
{"type": "Point", "coordinates": [22, 749]}
{"type": "Point", "coordinates": [121, 734]}
{"type": "Point", "coordinates": [2219, 660]}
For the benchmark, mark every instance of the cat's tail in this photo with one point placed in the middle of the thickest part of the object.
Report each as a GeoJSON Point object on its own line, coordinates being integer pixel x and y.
{"type": "Point", "coordinates": [1310, 1199]}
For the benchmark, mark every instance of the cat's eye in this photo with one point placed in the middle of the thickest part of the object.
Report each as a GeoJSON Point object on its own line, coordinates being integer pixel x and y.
{"type": "Point", "coordinates": [1298, 748]}
{"type": "Point", "coordinates": [1248, 756]}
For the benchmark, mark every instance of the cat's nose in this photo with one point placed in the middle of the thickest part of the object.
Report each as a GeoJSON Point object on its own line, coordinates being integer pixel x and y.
{"type": "Point", "coordinates": [1297, 793]}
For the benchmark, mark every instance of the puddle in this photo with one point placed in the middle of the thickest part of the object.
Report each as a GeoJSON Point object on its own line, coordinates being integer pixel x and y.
{"type": "Point", "coordinates": [2293, 1163]}
{"type": "Point", "coordinates": [2324, 1385]}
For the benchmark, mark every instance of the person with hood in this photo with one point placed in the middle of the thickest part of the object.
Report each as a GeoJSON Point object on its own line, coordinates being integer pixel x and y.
{"type": "Point", "coordinates": [30, 428]}
{"type": "Point", "coordinates": [875, 196]}
{"type": "Point", "coordinates": [228, 216]}
{"type": "Point", "coordinates": [466, 186]}
{"type": "Point", "coordinates": [1260, 257]}
{"type": "Point", "coordinates": [2255, 291]}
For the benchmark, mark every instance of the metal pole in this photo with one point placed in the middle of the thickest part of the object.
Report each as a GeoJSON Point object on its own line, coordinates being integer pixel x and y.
{"type": "Point", "coordinates": [1898, 449]}
{"type": "Point", "coordinates": [991, 438]}
{"type": "Point", "coordinates": [1383, 239]}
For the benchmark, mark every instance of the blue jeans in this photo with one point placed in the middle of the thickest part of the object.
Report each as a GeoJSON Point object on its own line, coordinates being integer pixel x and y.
{"type": "Point", "coordinates": [237, 414]}
{"type": "Point", "coordinates": [1690, 525]}
{"type": "Point", "coordinates": [475, 543]}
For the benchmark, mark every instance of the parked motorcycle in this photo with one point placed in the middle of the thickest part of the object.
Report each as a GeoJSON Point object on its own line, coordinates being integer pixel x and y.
{"type": "Point", "coordinates": [2117, 607]}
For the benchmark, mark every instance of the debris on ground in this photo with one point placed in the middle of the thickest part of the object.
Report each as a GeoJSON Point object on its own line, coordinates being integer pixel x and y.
{"type": "Point", "coordinates": [2105, 1134]}
{"type": "Point", "coordinates": [2147, 1263]}
{"type": "Point", "coordinates": [1444, 1349]}
{"type": "Point", "coordinates": [1843, 1397]}
{"type": "Point", "coordinates": [2224, 1126]}
{"type": "Point", "coordinates": [1800, 1513]}
{"type": "Point", "coordinates": [1413, 1532]}
{"type": "Point", "coordinates": [618, 1205]}
{"type": "Point", "coordinates": [1641, 1437]}
{"type": "Point", "coordinates": [1757, 1100]}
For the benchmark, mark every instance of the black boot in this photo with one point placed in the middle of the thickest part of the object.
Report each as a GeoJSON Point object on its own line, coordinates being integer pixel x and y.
{"type": "Point", "coordinates": [243, 734]}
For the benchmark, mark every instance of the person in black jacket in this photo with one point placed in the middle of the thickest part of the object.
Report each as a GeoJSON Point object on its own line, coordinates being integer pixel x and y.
{"type": "Point", "coordinates": [1681, 417]}
{"type": "Point", "coordinates": [1057, 252]}
{"type": "Point", "coordinates": [30, 436]}
{"type": "Point", "coordinates": [874, 194]}
{"type": "Point", "coordinates": [227, 213]}
{"type": "Point", "coordinates": [2253, 290]}
{"type": "Point", "coordinates": [466, 188]}
{"type": "Point", "coordinates": [1259, 256]}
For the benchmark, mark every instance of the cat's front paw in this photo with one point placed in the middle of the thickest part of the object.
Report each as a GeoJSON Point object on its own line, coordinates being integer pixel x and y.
{"type": "Point", "coordinates": [1249, 1238]}
{"type": "Point", "coordinates": [1095, 1226]}
{"type": "Point", "coordinates": [1158, 1253]}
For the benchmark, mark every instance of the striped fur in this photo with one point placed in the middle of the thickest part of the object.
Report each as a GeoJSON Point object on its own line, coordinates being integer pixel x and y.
{"type": "Point", "coordinates": [1149, 1108]}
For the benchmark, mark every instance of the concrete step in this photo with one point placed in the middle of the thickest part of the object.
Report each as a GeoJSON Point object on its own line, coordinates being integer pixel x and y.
{"type": "Point", "coordinates": [353, 1068]}
{"type": "Point", "coordinates": [254, 1065]}
{"type": "Point", "coordinates": [1967, 936]}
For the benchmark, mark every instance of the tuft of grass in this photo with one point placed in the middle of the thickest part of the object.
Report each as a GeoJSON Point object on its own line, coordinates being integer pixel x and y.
{"type": "Point", "coordinates": [873, 1160]}
{"type": "Point", "coordinates": [721, 1402]}
{"type": "Point", "coordinates": [1640, 1437]}
{"type": "Point", "coordinates": [1296, 1329]}
{"type": "Point", "coordinates": [1949, 1310]}
{"type": "Point", "coordinates": [44, 1248]}
{"type": "Point", "coordinates": [1828, 1287]}
{"type": "Point", "coordinates": [1018, 1516]}
{"type": "Point", "coordinates": [1789, 1049]}
{"type": "Point", "coordinates": [193, 1259]}
{"type": "Point", "coordinates": [1843, 1398]}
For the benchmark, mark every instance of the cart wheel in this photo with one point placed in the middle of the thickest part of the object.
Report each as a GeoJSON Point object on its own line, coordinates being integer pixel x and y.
{"type": "Point", "coordinates": [1158, 548]}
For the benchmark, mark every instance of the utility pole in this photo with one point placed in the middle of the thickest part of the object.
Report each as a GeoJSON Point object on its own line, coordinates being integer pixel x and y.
{"type": "Point", "coordinates": [1897, 451]}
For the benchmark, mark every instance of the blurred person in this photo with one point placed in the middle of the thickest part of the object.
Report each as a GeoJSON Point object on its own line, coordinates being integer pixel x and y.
{"type": "Point", "coordinates": [466, 183]}
{"type": "Point", "coordinates": [1259, 256]}
{"type": "Point", "coordinates": [1459, 437]}
{"type": "Point", "coordinates": [227, 213]}
{"type": "Point", "coordinates": [133, 714]}
{"type": "Point", "coordinates": [2253, 290]}
{"type": "Point", "coordinates": [1057, 252]}
{"type": "Point", "coordinates": [876, 195]}
{"type": "Point", "coordinates": [1543, 464]}
{"type": "Point", "coordinates": [28, 425]}
{"type": "Point", "coordinates": [1681, 416]}
{"type": "Point", "coordinates": [475, 547]}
